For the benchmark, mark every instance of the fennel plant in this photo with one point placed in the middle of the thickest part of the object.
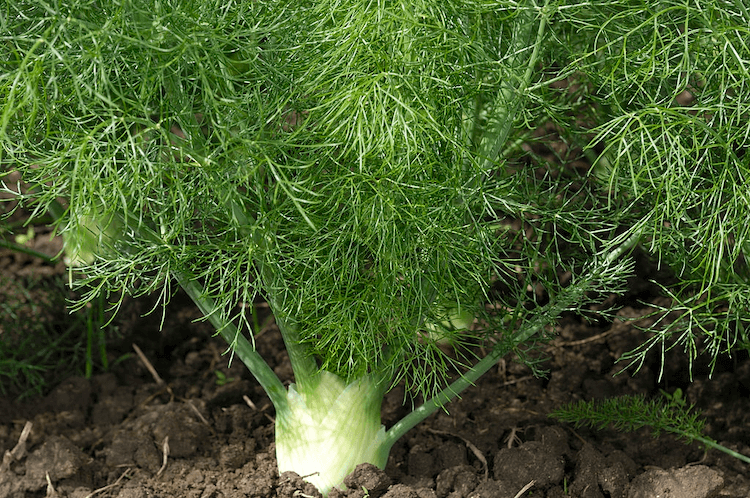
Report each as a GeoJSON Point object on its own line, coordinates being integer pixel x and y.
{"type": "Point", "coordinates": [363, 168]}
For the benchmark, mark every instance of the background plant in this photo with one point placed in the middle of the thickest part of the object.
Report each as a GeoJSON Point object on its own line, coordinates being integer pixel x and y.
{"type": "Point", "coordinates": [365, 168]}
{"type": "Point", "coordinates": [673, 82]}
{"type": "Point", "coordinates": [40, 342]}
{"type": "Point", "coordinates": [630, 413]}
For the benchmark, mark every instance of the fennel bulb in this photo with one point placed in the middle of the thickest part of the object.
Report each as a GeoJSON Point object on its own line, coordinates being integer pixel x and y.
{"type": "Point", "coordinates": [92, 236]}
{"type": "Point", "coordinates": [326, 431]}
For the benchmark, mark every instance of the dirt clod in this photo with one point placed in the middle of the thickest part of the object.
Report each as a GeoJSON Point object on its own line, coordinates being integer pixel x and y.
{"type": "Point", "coordinates": [291, 485]}
{"type": "Point", "coordinates": [696, 481]}
{"type": "Point", "coordinates": [401, 491]}
{"type": "Point", "coordinates": [368, 477]}
{"type": "Point", "coordinates": [456, 482]}
{"type": "Point", "coordinates": [532, 461]}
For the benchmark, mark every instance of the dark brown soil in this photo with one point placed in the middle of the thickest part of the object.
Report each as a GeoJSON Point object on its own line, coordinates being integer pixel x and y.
{"type": "Point", "coordinates": [205, 429]}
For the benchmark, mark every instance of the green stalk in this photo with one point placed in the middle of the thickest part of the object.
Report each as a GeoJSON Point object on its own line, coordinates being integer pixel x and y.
{"type": "Point", "coordinates": [451, 392]}
{"type": "Point", "coordinates": [229, 332]}
{"type": "Point", "coordinates": [510, 97]}
{"type": "Point", "coordinates": [568, 298]}
{"type": "Point", "coordinates": [25, 250]}
{"type": "Point", "coordinates": [713, 444]}
{"type": "Point", "coordinates": [241, 346]}
{"type": "Point", "coordinates": [304, 366]}
{"type": "Point", "coordinates": [101, 334]}
{"type": "Point", "coordinates": [89, 368]}
{"type": "Point", "coordinates": [469, 378]}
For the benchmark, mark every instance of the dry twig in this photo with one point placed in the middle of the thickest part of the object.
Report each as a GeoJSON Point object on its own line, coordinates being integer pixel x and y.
{"type": "Point", "coordinates": [525, 488]}
{"type": "Point", "coordinates": [51, 493]}
{"type": "Point", "coordinates": [18, 451]}
{"type": "Point", "coordinates": [148, 365]}
{"type": "Point", "coordinates": [157, 378]}
{"type": "Point", "coordinates": [477, 453]}
{"type": "Point", "coordinates": [109, 486]}
{"type": "Point", "coordinates": [165, 455]}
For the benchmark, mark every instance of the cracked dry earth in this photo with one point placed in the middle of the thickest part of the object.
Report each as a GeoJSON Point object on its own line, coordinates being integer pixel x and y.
{"type": "Point", "coordinates": [196, 427]}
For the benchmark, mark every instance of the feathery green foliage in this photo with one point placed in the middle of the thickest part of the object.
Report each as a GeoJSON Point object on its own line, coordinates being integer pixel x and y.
{"type": "Point", "coordinates": [675, 82]}
{"type": "Point", "coordinates": [359, 165]}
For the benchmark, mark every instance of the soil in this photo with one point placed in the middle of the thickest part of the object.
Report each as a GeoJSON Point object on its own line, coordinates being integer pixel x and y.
{"type": "Point", "coordinates": [198, 427]}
